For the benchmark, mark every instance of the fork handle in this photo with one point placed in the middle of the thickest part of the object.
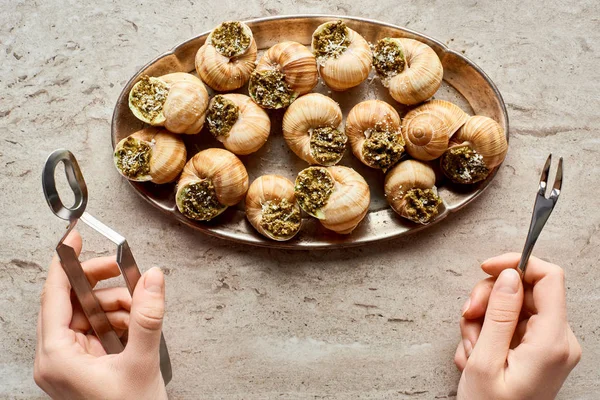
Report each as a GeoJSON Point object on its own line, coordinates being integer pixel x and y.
{"type": "Point", "coordinates": [541, 212]}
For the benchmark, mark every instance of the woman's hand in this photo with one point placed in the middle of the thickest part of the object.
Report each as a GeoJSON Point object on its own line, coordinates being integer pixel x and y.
{"type": "Point", "coordinates": [70, 363]}
{"type": "Point", "coordinates": [516, 341]}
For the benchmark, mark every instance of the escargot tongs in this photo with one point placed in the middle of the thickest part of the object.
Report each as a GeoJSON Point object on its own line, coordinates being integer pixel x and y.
{"type": "Point", "coordinates": [541, 210]}
{"type": "Point", "coordinates": [70, 263]}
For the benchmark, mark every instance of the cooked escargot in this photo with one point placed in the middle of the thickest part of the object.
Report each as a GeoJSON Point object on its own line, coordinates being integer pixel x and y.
{"type": "Point", "coordinates": [410, 190]}
{"type": "Point", "coordinates": [344, 57]}
{"type": "Point", "coordinates": [228, 56]}
{"type": "Point", "coordinates": [272, 209]}
{"type": "Point", "coordinates": [411, 70]}
{"type": "Point", "coordinates": [312, 128]}
{"type": "Point", "coordinates": [286, 71]}
{"type": "Point", "coordinates": [427, 129]}
{"type": "Point", "coordinates": [176, 101]}
{"type": "Point", "coordinates": [474, 151]}
{"type": "Point", "coordinates": [338, 196]}
{"type": "Point", "coordinates": [373, 128]}
{"type": "Point", "coordinates": [151, 154]}
{"type": "Point", "coordinates": [211, 181]}
{"type": "Point", "coordinates": [237, 122]}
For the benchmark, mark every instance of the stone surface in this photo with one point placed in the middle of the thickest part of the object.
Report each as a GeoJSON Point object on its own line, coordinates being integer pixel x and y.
{"type": "Point", "coordinates": [371, 322]}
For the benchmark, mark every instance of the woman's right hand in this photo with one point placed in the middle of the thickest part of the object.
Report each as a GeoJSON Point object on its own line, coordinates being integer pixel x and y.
{"type": "Point", "coordinates": [516, 341]}
{"type": "Point", "coordinates": [70, 362]}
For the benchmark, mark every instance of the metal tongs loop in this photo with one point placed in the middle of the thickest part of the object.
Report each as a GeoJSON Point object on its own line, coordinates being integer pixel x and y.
{"type": "Point", "coordinates": [70, 263]}
{"type": "Point", "coordinates": [541, 210]}
{"type": "Point", "coordinates": [75, 180]}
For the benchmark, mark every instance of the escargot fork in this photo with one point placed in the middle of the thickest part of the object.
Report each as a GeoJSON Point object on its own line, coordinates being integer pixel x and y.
{"type": "Point", "coordinates": [541, 210]}
{"type": "Point", "coordinates": [71, 265]}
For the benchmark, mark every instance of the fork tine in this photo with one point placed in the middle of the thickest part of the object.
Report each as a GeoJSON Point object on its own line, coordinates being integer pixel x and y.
{"type": "Point", "coordinates": [544, 177]}
{"type": "Point", "coordinates": [558, 180]}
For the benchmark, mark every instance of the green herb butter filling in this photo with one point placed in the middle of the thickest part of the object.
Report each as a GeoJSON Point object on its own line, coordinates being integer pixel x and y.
{"type": "Point", "coordinates": [280, 218]}
{"type": "Point", "coordinates": [388, 58]}
{"type": "Point", "coordinates": [132, 158]}
{"type": "Point", "coordinates": [148, 96]}
{"type": "Point", "coordinates": [383, 146]}
{"type": "Point", "coordinates": [421, 205]}
{"type": "Point", "coordinates": [230, 39]}
{"type": "Point", "coordinates": [270, 90]}
{"type": "Point", "coordinates": [331, 41]}
{"type": "Point", "coordinates": [313, 187]}
{"type": "Point", "coordinates": [221, 116]}
{"type": "Point", "coordinates": [199, 201]}
{"type": "Point", "coordinates": [327, 145]}
{"type": "Point", "coordinates": [464, 165]}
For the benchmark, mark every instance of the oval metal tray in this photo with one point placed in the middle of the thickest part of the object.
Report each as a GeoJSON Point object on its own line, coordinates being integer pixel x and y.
{"type": "Point", "coordinates": [464, 84]}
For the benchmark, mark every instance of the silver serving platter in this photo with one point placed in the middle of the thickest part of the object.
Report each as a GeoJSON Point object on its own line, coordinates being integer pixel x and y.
{"type": "Point", "coordinates": [464, 84]}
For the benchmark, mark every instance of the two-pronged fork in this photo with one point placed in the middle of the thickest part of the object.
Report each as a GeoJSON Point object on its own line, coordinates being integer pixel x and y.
{"type": "Point", "coordinates": [541, 210]}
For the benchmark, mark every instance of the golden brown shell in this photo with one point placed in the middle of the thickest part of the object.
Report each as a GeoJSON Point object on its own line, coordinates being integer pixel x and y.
{"type": "Point", "coordinates": [364, 116]}
{"type": "Point", "coordinates": [184, 109]}
{"type": "Point", "coordinates": [311, 111]}
{"type": "Point", "coordinates": [167, 157]}
{"type": "Point", "coordinates": [486, 137]}
{"type": "Point", "coordinates": [224, 73]}
{"type": "Point", "coordinates": [427, 129]}
{"type": "Point", "coordinates": [421, 77]}
{"type": "Point", "coordinates": [351, 67]}
{"type": "Point", "coordinates": [251, 131]}
{"type": "Point", "coordinates": [349, 202]}
{"type": "Point", "coordinates": [223, 168]}
{"type": "Point", "coordinates": [295, 61]}
{"type": "Point", "coordinates": [175, 77]}
{"type": "Point", "coordinates": [408, 174]}
{"type": "Point", "coordinates": [268, 188]}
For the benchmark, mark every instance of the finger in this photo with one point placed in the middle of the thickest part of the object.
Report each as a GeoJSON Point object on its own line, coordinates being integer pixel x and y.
{"type": "Point", "coordinates": [119, 320]}
{"type": "Point", "coordinates": [528, 302]}
{"type": "Point", "coordinates": [93, 346]}
{"type": "Point", "coordinates": [113, 299]}
{"type": "Point", "coordinates": [478, 300]}
{"type": "Point", "coordinates": [110, 299]}
{"type": "Point", "coordinates": [460, 357]}
{"type": "Point", "coordinates": [79, 322]}
{"type": "Point", "coordinates": [501, 318]}
{"type": "Point", "coordinates": [56, 308]}
{"type": "Point", "coordinates": [470, 331]}
{"type": "Point", "coordinates": [100, 268]}
{"type": "Point", "coordinates": [145, 323]}
{"type": "Point", "coordinates": [548, 292]}
{"type": "Point", "coordinates": [493, 266]}
{"type": "Point", "coordinates": [536, 269]}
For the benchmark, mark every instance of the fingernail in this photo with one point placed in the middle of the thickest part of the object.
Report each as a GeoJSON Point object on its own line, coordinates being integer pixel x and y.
{"type": "Point", "coordinates": [154, 280]}
{"type": "Point", "coordinates": [465, 307]}
{"type": "Point", "coordinates": [508, 281]}
{"type": "Point", "coordinates": [487, 261]}
{"type": "Point", "coordinates": [468, 347]}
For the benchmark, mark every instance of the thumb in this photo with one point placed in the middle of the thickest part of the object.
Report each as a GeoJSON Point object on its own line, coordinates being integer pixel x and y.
{"type": "Point", "coordinates": [500, 321]}
{"type": "Point", "coordinates": [147, 311]}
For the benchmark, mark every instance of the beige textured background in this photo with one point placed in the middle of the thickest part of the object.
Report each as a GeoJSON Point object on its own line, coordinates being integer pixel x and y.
{"type": "Point", "coordinates": [372, 322]}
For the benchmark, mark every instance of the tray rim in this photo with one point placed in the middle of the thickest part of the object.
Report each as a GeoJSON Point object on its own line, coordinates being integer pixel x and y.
{"type": "Point", "coordinates": [263, 242]}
